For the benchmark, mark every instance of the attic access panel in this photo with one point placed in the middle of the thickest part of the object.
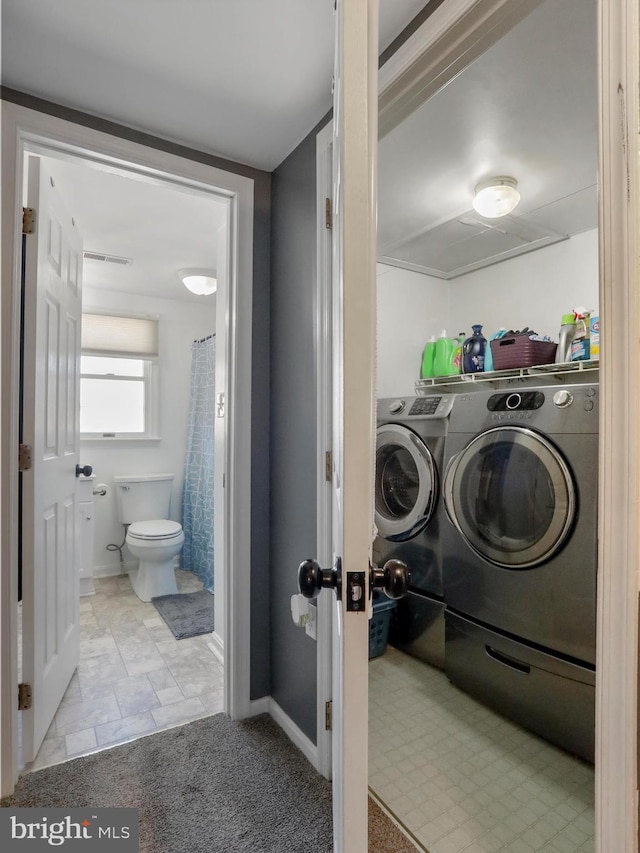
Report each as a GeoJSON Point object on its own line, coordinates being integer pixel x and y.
{"type": "Point", "coordinates": [469, 242]}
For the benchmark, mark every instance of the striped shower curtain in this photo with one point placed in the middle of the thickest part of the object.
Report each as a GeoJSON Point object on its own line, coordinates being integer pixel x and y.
{"type": "Point", "coordinates": [197, 491]}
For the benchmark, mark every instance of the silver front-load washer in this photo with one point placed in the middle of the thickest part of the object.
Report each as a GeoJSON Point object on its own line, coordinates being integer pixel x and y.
{"type": "Point", "coordinates": [410, 443]}
{"type": "Point", "coordinates": [520, 555]}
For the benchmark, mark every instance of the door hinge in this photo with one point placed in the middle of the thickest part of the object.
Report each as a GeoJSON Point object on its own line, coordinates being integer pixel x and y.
{"type": "Point", "coordinates": [328, 466]}
{"type": "Point", "coordinates": [28, 220]}
{"type": "Point", "coordinates": [328, 214]}
{"type": "Point", "coordinates": [24, 457]}
{"type": "Point", "coordinates": [24, 697]}
{"type": "Point", "coordinates": [328, 715]}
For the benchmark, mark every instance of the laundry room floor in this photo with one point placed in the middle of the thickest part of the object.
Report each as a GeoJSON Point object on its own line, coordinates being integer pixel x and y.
{"type": "Point", "coordinates": [463, 779]}
{"type": "Point", "coordinates": [134, 677]}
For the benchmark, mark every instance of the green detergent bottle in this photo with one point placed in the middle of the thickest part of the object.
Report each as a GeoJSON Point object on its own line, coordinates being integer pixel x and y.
{"type": "Point", "coordinates": [443, 355]}
{"type": "Point", "coordinates": [426, 371]}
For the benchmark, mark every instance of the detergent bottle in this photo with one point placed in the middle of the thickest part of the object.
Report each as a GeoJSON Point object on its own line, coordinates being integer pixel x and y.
{"type": "Point", "coordinates": [579, 348]}
{"type": "Point", "coordinates": [426, 370]}
{"type": "Point", "coordinates": [565, 338]}
{"type": "Point", "coordinates": [473, 350]}
{"type": "Point", "coordinates": [456, 353]}
{"type": "Point", "coordinates": [442, 357]}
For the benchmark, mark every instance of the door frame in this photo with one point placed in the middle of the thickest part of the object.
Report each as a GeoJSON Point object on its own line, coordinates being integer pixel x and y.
{"type": "Point", "coordinates": [456, 33]}
{"type": "Point", "coordinates": [24, 129]}
{"type": "Point", "coordinates": [323, 354]}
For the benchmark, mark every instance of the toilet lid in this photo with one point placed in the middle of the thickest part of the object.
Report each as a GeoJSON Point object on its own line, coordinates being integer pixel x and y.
{"type": "Point", "coordinates": [160, 529]}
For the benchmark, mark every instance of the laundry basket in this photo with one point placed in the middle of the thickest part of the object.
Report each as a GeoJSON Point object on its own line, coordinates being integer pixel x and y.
{"type": "Point", "coordinates": [379, 624]}
{"type": "Point", "coordinates": [520, 351]}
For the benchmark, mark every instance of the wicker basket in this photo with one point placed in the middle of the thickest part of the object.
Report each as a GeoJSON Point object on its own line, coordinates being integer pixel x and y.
{"type": "Point", "coordinates": [520, 351]}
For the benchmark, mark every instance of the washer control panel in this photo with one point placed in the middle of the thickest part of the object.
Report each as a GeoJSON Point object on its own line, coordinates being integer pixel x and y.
{"type": "Point", "coordinates": [431, 407]}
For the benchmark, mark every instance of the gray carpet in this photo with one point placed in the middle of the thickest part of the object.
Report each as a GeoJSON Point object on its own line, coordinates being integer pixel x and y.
{"type": "Point", "coordinates": [384, 836]}
{"type": "Point", "coordinates": [212, 786]}
{"type": "Point", "coordinates": [187, 613]}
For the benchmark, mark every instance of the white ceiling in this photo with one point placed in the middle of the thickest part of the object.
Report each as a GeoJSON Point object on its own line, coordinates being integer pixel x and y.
{"type": "Point", "coordinates": [527, 108]}
{"type": "Point", "coordinates": [161, 228]}
{"type": "Point", "coordinates": [244, 79]}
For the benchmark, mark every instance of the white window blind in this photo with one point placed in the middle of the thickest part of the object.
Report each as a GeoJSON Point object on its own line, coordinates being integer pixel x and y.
{"type": "Point", "coordinates": [106, 334]}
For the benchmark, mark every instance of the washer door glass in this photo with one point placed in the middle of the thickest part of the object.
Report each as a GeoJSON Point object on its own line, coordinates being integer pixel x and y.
{"type": "Point", "coordinates": [406, 483]}
{"type": "Point", "coordinates": [511, 495]}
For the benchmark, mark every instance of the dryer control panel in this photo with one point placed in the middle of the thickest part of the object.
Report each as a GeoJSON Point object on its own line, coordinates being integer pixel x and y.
{"type": "Point", "coordinates": [515, 401]}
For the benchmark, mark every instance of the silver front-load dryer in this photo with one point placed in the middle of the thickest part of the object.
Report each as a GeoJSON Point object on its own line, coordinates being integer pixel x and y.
{"type": "Point", "coordinates": [520, 555]}
{"type": "Point", "coordinates": [410, 443]}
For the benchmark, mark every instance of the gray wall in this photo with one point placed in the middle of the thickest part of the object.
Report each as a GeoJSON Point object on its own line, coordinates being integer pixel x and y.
{"type": "Point", "coordinates": [260, 682]}
{"type": "Point", "coordinates": [293, 426]}
{"type": "Point", "coordinates": [293, 412]}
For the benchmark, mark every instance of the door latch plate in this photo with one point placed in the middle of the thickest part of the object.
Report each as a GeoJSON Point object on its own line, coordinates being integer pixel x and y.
{"type": "Point", "coordinates": [24, 697]}
{"type": "Point", "coordinates": [356, 600]}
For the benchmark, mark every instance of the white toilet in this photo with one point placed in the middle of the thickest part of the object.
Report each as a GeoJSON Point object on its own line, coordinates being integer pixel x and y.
{"type": "Point", "coordinates": [143, 504]}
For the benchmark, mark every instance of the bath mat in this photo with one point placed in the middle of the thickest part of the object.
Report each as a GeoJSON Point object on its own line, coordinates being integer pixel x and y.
{"type": "Point", "coordinates": [187, 614]}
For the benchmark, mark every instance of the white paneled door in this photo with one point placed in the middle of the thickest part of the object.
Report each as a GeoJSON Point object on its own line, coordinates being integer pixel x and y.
{"type": "Point", "coordinates": [52, 317]}
{"type": "Point", "coordinates": [354, 305]}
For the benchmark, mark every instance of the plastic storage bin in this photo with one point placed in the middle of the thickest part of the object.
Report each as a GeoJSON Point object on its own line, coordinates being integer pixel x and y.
{"type": "Point", "coordinates": [379, 625]}
{"type": "Point", "coordinates": [520, 351]}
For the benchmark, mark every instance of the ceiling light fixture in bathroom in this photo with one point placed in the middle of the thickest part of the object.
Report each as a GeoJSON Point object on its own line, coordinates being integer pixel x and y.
{"type": "Point", "coordinates": [199, 281]}
{"type": "Point", "coordinates": [496, 197]}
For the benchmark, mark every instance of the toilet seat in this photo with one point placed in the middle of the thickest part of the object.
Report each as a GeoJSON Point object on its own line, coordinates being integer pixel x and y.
{"type": "Point", "coordinates": [154, 530]}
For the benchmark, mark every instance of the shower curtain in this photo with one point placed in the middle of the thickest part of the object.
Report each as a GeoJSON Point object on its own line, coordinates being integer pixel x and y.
{"type": "Point", "coordinates": [197, 491]}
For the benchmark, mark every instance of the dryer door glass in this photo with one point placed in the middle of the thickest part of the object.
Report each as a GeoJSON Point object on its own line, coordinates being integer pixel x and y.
{"type": "Point", "coordinates": [511, 495]}
{"type": "Point", "coordinates": [406, 483]}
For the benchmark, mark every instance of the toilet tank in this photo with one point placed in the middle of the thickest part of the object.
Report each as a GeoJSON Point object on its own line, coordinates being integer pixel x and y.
{"type": "Point", "coordinates": [143, 497]}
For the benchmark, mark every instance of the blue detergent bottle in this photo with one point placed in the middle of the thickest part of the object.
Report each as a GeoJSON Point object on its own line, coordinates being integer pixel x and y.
{"type": "Point", "coordinates": [473, 350]}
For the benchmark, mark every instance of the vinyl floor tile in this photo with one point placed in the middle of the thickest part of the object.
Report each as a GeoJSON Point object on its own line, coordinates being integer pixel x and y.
{"type": "Point", "coordinates": [463, 779]}
{"type": "Point", "coordinates": [123, 687]}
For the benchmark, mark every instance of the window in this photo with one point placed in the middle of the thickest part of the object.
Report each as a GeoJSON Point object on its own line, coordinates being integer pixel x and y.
{"type": "Point", "coordinates": [118, 377]}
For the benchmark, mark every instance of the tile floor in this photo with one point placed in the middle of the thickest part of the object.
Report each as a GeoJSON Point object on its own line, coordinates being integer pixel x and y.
{"type": "Point", "coordinates": [461, 778]}
{"type": "Point", "coordinates": [134, 677]}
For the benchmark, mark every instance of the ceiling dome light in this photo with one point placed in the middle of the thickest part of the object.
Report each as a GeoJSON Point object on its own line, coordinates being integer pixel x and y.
{"type": "Point", "coordinates": [198, 281]}
{"type": "Point", "coordinates": [496, 197]}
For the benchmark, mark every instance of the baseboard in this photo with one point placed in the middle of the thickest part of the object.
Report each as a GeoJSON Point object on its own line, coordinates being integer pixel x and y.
{"type": "Point", "coordinates": [112, 570]}
{"type": "Point", "coordinates": [217, 646]}
{"type": "Point", "coordinates": [259, 706]}
{"type": "Point", "coordinates": [294, 733]}
{"type": "Point", "coordinates": [86, 586]}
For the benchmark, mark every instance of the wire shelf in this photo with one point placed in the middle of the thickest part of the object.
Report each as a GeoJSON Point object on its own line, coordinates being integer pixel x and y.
{"type": "Point", "coordinates": [547, 371]}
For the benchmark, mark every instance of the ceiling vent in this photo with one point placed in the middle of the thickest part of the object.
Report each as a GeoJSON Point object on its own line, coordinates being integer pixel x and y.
{"type": "Point", "coordinates": [109, 259]}
{"type": "Point", "coordinates": [469, 242]}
